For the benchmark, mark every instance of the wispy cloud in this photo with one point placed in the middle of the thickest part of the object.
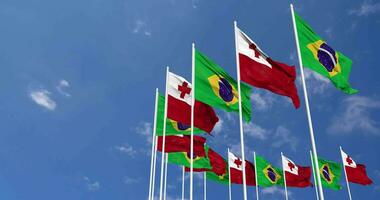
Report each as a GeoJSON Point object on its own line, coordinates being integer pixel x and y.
{"type": "Point", "coordinates": [365, 9]}
{"type": "Point", "coordinates": [356, 115]}
{"type": "Point", "coordinates": [256, 131]}
{"type": "Point", "coordinates": [261, 100]}
{"type": "Point", "coordinates": [91, 185]}
{"type": "Point", "coordinates": [145, 129]}
{"type": "Point", "coordinates": [329, 32]}
{"type": "Point", "coordinates": [283, 136]}
{"type": "Point", "coordinates": [316, 83]}
{"type": "Point", "coordinates": [140, 27]}
{"type": "Point", "coordinates": [41, 97]}
{"type": "Point", "coordinates": [61, 86]}
{"type": "Point", "coordinates": [275, 190]}
{"type": "Point", "coordinates": [130, 180]}
{"type": "Point", "coordinates": [126, 149]}
{"type": "Point", "coordinates": [219, 126]}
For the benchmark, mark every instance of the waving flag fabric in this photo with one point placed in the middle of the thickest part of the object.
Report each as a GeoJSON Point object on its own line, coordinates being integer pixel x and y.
{"type": "Point", "coordinates": [179, 105]}
{"type": "Point", "coordinates": [267, 175]}
{"type": "Point", "coordinates": [296, 176]}
{"type": "Point", "coordinates": [330, 173]}
{"type": "Point", "coordinates": [259, 70]}
{"type": "Point", "coordinates": [182, 144]}
{"type": "Point", "coordinates": [236, 170]}
{"type": "Point", "coordinates": [183, 158]}
{"type": "Point", "coordinates": [320, 57]}
{"type": "Point", "coordinates": [172, 127]}
{"type": "Point", "coordinates": [356, 173]}
{"type": "Point", "coordinates": [217, 88]}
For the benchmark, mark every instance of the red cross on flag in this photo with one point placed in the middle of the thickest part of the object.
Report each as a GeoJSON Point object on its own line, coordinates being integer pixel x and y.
{"type": "Point", "coordinates": [296, 176]}
{"type": "Point", "coordinates": [356, 173]}
{"type": "Point", "coordinates": [179, 105]}
{"type": "Point", "coordinates": [260, 71]}
{"type": "Point", "coordinates": [236, 170]}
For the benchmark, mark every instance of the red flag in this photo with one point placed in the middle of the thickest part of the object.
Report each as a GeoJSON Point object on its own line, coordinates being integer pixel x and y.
{"type": "Point", "coordinates": [179, 105]}
{"type": "Point", "coordinates": [356, 173]}
{"type": "Point", "coordinates": [259, 70]}
{"type": "Point", "coordinates": [182, 144]}
{"type": "Point", "coordinates": [236, 170]}
{"type": "Point", "coordinates": [218, 164]}
{"type": "Point", "coordinates": [296, 176]}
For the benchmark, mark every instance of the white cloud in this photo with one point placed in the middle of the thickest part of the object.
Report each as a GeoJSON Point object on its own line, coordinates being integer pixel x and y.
{"type": "Point", "coordinates": [315, 82]}
{"type": "Point", "coordinates": [356, 115]}
{"type": "Point", "coordinates": [91, 185]}
{"type": "Point", "coordinates": [329, 32]}
{"type": "Point", "coordinates": [283, 137]}
{"type": "Point", "coordinates": [60, 87]}
{"type": "Point", "coordinates": [218, 126]}
{"type": "Point", "coordinates": [141, 27]}
{"type": "Point", "coordinates": [145, 129]}
{"type": "Point", "coordinates": [262, 100]}
{"type": "Point", "coordinates": [41, 97]}
{"type": "Point", "coordinates": [365, 9]}
{"type": "Point", "coordinates": [126, 149]}
{"type": "Point", "coordinates": [274, 190]}
{"type": "Point", "coordinates": [255, 131]}
{"type": "Point", "coordinates": [130, 180]}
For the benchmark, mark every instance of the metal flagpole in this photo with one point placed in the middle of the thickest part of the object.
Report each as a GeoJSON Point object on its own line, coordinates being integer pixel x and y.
{"type": "Point", "coordinates": [154, 167]}
{"type": "Point", "coordinates": [229, 175]}
{"type": "Point", "coordinates": [183, 182]}
{"type": "Point", "coordinates": [153, 145]}
{"type": "Point", "coordinates": [163, 135]}
{"type": "Point", "coordinates": [315, 180]}
{"type": "Point", "coordinates": [204, 186]}
{"type": "Point", "coordinates": [166, 174]}
{"type": "Point", "coordinates": [256, 180]}
{"type": "Point", "coordinates": [314, 148]}
{"type": "Point", "coordinates": [192, 118]}
{"type": "Point", "coordinates": [345, 174]}
{"type": "Point", "coordinates": [240, 113]}
{"type": "Point", "coordinates": [283, 171]}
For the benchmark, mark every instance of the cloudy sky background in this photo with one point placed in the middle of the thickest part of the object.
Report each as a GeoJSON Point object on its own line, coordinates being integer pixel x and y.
{"type": "Point", "coordinates": [78, 79]}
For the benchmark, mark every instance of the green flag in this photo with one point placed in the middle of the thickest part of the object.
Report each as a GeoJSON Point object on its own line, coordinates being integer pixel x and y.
{"type": "Point", "coordinates": [267, 175]}
{"type": "Point", "coordinates": [183, 159]}
{"type": "Point", "coordinates": [222, 178]}
{"type": "Point", "coordinates": [330, 173]}
{"type": "Point", "coordinates": [322, 58]}
{"type": "Point", "coordinates": [218, 89]}
{"type": "Point", "coordinates": [172, 127]}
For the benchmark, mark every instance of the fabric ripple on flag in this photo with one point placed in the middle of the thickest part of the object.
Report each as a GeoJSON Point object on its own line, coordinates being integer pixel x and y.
{"type": "Point", "coordinates": [258, 70]}
{"type": "Point", "coordinates": [236, 170]}
{"type": "Point", "coordinates": [356, 173]}
{"type": "Point", "coordinates": [296, 176]}
{"type": "Point", "coordinates": [179, 105]}
{"type": "Point", "coordinates": [182, 144]}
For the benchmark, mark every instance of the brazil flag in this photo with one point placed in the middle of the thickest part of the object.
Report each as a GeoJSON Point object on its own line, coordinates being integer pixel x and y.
{"type": "Point", "coordinates": [330, 173]}
{"type": "Point", "coordinates": [172, 127]}
{"type": "Point", "coordinates": [318, 56]}
{"type": "Point", "coordinates": [218, 89]}
{"type": "Point", "coordinates": [267, 175]}
{"type": "Point", "coordinates": [183, 159]}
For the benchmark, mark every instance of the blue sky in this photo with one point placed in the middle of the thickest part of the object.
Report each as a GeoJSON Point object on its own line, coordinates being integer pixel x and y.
{"type": "Point", "coordinates": [78, 80]}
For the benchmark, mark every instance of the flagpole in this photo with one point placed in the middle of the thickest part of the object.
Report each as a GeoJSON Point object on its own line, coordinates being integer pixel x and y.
{"type": "Point", "coordinates": [166, 174]}
{"type": "Point", "coordinates": [256, 180]}
{"type": "Point", "coordinates": [204, 186]}
{"type": "Point", "coordinates": [163, 134]}
{"type": "Point", "coordinates": [314, 148]}
{"type": "Point", "coordinates": [229, 175]}
{"type": "Point", "coordinates": [192, 118]}
{"type": "Point", "coordinates": [153, 145]}
{"type": "Point", "coordinates": [345, 174]}
{"type": "Point", "coordinates": [240, 114]}
{"type": "Point", "coordinates": [154, 166]}
{"type": "Point", "coordinates": [283, 171]}
{"type": "Point", "coordinates": [315, 180]}
{"type": "Point", "coordinates": [183, 182]}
